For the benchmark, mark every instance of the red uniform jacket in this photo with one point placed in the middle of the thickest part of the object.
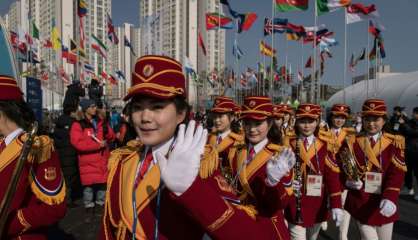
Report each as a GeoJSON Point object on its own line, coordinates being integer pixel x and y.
{"type": "Point", "coordinates": [314, 209]}
{"type": "Point", "coordinates": [224, 147]}
{"type": "Point", "coordinates": [268, 201]}
{"type": "Point", "coordinates": [198, 210]}
{"type": "Point", "coordinates": [387, 157]}
{"type": "Point", "coordinates": [39, 200]}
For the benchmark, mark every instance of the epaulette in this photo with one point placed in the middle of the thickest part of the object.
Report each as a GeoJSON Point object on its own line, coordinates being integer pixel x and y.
{"type": "Point", "coordinates": [327, 138]}
{"type": "Point", "coordinates": [209, 162]}
{"type": "Point", "coordinates": [236, 136]}
{"type": "Point", "coordinates": [397, 140]}
{"type": "Point", "coordinates": [119, 153]}
{"type": "Point", "coordinates": [274, 147]}
{"type": "Point", "coordinates": [42, 148]}
{"type": "Point", "coordinates": [288, 139]}
{"type": "Point", "coordinates": [325, 133]}
{"type": "Point", "coordinates": [350, 131]}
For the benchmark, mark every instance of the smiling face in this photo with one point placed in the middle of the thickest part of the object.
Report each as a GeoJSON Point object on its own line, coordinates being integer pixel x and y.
{"type": "Point", "coordinates": [338, 121]}
{"type": "Point", "coordinates": [256, 130]}
{"type": "Point", "coordinates": [306, 126]}
{"type": "Point", "coordinates": [222, 122]}
{"type": "Point", "coordinates": [373, 124]}
{"type": "Point", "coordinates": [155, 120]}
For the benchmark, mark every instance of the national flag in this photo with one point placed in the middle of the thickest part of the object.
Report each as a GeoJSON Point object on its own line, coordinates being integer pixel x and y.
{"type": "Point", "coordinates": [362, 55]}
{"type": "Point", "coordinates": [266, 49]}
{"type": "Point", "coordinates": [82, 34]}
{"type": "Point", "coordinates": [308, 63]}
{"type": "Point", "coordinates": [381, 47]}
{"type": "Point", "coordinates": [14, 39]}
{"type": "Point", "coordinates": [55, 37]}
{"type": "Point", "coordinates": [128, 44]}
{"type": "Point", "coordinates": [372, 54]}
{"type": "Point", "coordinates": [374, 30]}
{"type": "Point", "coordinates": [300, 76]}
{"type": "Point", "coordinates": [294, 5]}
{"type": "Point", "coordinates": [357, 12]}
{"type": "Point", "coordinates": [325, 6]}
{"type": "Point", "coordinates": [47, 43]}
{"type": "Point", "coordinates": [233, 13]}
{"type": "Point", "coordinates": [201, 43]}
{"type": "Point", "coordinates": [319, 35]}
{"type": "Point", "coordinates": [44, 75]}
{"type": "Point", "coordinates": [75, 49]}
{"type": "Point", "coordinates": [64, 51]}
{"type": "Point", "coordinates": [88, 68]}
{"type": "Point", "coordinates": [35, 31]}
{"type": "Point", "coordinates": [352, 63]}
{"type": "Point", "coordinates": [277, 25]}
{"type": "Point", "coordinates": [120, 75]}
{"type": "Point", "coordinates": [112, 80]}
{"type": "Point", "coordinates": [188, 66]}
{"type": "Point", "coordinates": [292, 37]}
{"type": "Point", "coordinates": [82, 8]}
{"type": "Point", "coordinates": [72, 58]}
{"type": "Point", "coordinates": [236, 51]}
{"type": "Point", "coordinates": [99, 46]}
{"type": "Point", "coordinates": [246, 21]}
{"type": "Point", "coordinates": [298, 29]}
{"type": "Point", "coordinates": [243, 80]}
{"type": "Point", "coordinates": [104, 75]}
{"type": "Point", "coordinates": [29, 56]}
{"type": "Point", "coordinates": [111, 34]}
{"type": "Point", "coordinates": [64, 75]}
{"type": "Point", "coordinates": [29, 39]}
{"type": "Point", "coordinates": [216, 20]}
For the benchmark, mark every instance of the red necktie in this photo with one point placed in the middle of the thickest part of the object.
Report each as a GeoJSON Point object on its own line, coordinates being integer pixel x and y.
{"type": "Point", "coordinates": [372, 141]}
{"type": "Point", "coordinates": [145, 164]}
{"type": "Point", "coordinates": [2, 146]}
{"type": "Point", "coordinates": [219, 139]}
{"type": "Point", "coordinates": [305, 143]}
{"type": "Point", "coordinates": [251, 154]}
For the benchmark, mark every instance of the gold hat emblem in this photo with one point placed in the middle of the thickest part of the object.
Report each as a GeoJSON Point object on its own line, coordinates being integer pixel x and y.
{"type": "Point", "coordinates": [148, 70]}
{"type": "Point", "coordinates": [275, 109]}
{"type": "Point", "coordinates": [50, 173]}
{"type": "Point", "coordinates": [252, 103]}
{"type": "Point", "coordinates": [342, 108]}
{"type": "Point", "coordinates": [308, 108]}
{"type": "Point", "coordinates": [372, 105]}
{"type": "Point", "coordinates": [217, 102]}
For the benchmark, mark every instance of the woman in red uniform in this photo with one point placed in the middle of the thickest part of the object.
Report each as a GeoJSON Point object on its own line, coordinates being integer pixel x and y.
{"type": "Point", "coordinates": [315, 180]}
{"type": "Point", "coordinates": [372, 199]}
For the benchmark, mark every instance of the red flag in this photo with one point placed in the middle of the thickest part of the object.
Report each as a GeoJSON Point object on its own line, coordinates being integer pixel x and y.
{"type": "Point", "coordinates": [308, 63]}
{"type": "Point", "coordinates": [14, 39]}
{"type": "Point", "coordinates": [64, 75]}
{"type": "Point", "coordinates": [112, 80]}
{"type": "Point", "coordinates": [47, 44]}
{"type": "Point", "coordinates": [246, 21]}
{"type": "Point", "coordinates": [44, 75]}
{"type": "Point", "coordinates": [202, 44]}
{"type": "Point", "coordinates": [71, 58]}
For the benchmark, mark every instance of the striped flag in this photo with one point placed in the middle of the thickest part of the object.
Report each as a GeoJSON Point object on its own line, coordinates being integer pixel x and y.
{"type": "Point", "coordinates": [81, 8]}
{"type": "Point", "coordinates": [99, 46]}
{"type": "Point", "coordinates": [277, 25]}
{"type": "Point", "coordinates": [111, 34]}
{"type": "Point", "coordinates": [358, 12]}
{"type": "Point", "coordinates": [326, 6]}
{"type": "Point", "coordinates": [236, 51]}
{"type": "Point", "coordinates": [266, 49]}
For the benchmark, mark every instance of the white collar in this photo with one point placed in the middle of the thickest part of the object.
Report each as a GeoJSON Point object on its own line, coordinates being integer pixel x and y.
{"type": "Point", "coordinates": [162, 148]}
{"type": "Point", "coordinates": [336, 130]}
{"type": "Point", "coordinates": [12, 136]}
{"type": "Point", "coordinates": [310, 139]}
{"type": "Point", "coordinates": [375, 136]}
{"type": "Point", "coordinates": [285, 124]}
{"type": "Point", "coordinates": [259, 146]}
{"type": "Point", "coordinates": [224, 134]}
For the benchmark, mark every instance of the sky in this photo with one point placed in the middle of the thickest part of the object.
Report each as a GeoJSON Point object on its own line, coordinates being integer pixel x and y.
{"type": "Point", "coordinates": [399, 17]}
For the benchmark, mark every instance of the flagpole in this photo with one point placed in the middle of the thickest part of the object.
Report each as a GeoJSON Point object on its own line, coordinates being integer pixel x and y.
{"type": "Point", "coordinates": [345, 53]}
{"type": "Point", "coordinates": [376, 72]}
{"type": "Point", "coordinates": [272, 49]}
{"type": "Point", "coordinates": [314, 84]}
{"type": "Point", "coordinates": [368, 65]}
{"type": "Point", "coordinates": [236, 64]}
{"type": "Point", "coordinates": [219, 46]}
{"type": "Point", "coordinates": [285, 84]}
{"type": "Point", "coordinates": [302, 67]}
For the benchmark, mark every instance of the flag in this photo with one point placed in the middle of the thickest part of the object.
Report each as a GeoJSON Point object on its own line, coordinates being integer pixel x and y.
{"type": "Point", "coordinates": [82, 35]}
{"type": "Point", "coordinates": [35, 31]}
{"type": "Point", "coordinates": [47, 43]}
{"type": "Point", "coordinates": [266, 49]}
{"type": "Point", "coordinates": [277, 25]}
{"type": "Point", "coordinates": [111, 34]}
{"type": "Point", "coordinates": [82, 8]}
{"type": "Point", "coordinates": [325, 6]}
{"type": "Point", "coordinates": [298, 29]}
{"type": "Point", "coordinates": [300, 76]}
{"type": "Point", "coordinates": [294, 5]}
{"type": "Point", "coordinates": [14, 39]}
{"type": "Point", "coordinates": [112, 80]}
{"type": "Point", "coordinates": [188, 66]}
{"type": "Point", "coordinates": [381, 47]}
{"type": "Point", "coordinates": [308, 63]}
{"type": "Point", "coordinates": [75, 49]}
{"type": "Point", "coordinates": [243, 80]}
{"type": "Point", "coordinates": [216, 20]}
{"type": "Point", "coordinates": [55, 37]}
{"type": "Point", "coordinates": [352, 63]}
{"type": "Point", "coordinates": [120, 75]}
{"type": "Point", "coordinates": [44, 75]}
{"type": "Point", "coordinates": [292, 37]}
{"type": "Point", "coordinates": [64, 75]}
{"type": "Point", "coordinates": [71, 58]}
{"type": "Point", "coordinates": [88, 68]}
{"type": "Point", "coordinates": [104, 74]}
{"type": "Point", "coordinates": [202, 44]}
{"type": "Point", "coordinates": [236, 51]}
{"type": "Point", "coordinates": [99, 46]}
{"type": "Point", "coordinates": [64, 51]}
{"type": "Point", "coordinates": [357, 12]}
{"type": "Point", "coordinates": [128, 44]}
{"type": "Point", "coordinates": [374, 30]}
{"type": "Point", "coordinates": [362, 55]}
{"type": "Point", "coordinates": [233, 13]}
{"type": "Point", "coordinates": [246, 21]}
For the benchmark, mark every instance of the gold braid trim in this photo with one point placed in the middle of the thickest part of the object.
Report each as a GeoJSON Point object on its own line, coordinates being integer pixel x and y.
{"type": "Point", "coordinates": [48, 199]}
{"type": "Point", "coordinates": [118, 154]}
{"type": "Point", "coordinates": [42, 148]}
{"type": "Point", "coordinates": [248, 209]}
{"type": "Point", "coordinates": [236, 136]}
{"type": "Point", "coordinates": [397, 140]}
{"type": "Point", "coordinates": [209, 162]}
{"type": "Point", "coordinates": [399, 164]}
{"type": "Point", "coordinates": [334, 167]}
{"type": "Point", "coordinates": [23, 221]}
{"type": "Point", "coordinates": [393, 189]}
{"type": "Point", "coordinates": [335, 194]}
{"type": "Point", "coordinates": [223, 219]}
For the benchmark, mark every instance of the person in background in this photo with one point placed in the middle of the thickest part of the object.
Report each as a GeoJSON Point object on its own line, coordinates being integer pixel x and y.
{"type": "Point", "coordinates": [410, 130]}
{"type": "Point", "coordinates": [394, 121]}
{"type": "Point", "coordinates": [90, 137]}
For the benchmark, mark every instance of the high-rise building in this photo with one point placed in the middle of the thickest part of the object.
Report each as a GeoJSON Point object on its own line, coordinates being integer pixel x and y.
{"type": "Point", "coordinates": [171, 28]}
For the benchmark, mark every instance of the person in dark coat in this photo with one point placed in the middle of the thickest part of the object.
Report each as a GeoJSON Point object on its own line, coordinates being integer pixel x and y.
{"type": "Point", "coordinates": [73, 94]}
{"type": "Point", "coordinates": [67, 153]}
{"type": "Point", "coordinates": [410, 130]}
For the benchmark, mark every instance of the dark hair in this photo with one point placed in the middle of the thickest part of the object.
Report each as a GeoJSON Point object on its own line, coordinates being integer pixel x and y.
{"type": "Point", "coordinates": [18, 112]}
{"type": "Point", "coordinates": [235, 125]}
{"type": "Point", "coordinates": [415, 110]}
{"type": "Point", "coordinates": [387, 127]}
{"type": "Point", "coordinates": [274, 134]}
{"type": "Point", "coordinates": [316, 130]}
{"type": "Point", "coordinates": [329, 120]}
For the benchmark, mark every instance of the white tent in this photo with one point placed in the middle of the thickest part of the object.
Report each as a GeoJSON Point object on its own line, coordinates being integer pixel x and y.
{"type": "Point", "coordinates": [396, 89]}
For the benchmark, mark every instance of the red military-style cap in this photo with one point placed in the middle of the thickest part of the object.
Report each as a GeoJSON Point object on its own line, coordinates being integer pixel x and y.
{"type": "Point", "coordinates": [9, 90]}
{"type": "Point", "coordinates": [308, 110]}
{"type": "Point", "coordinates": [277, 113]}
{"type": "Point", "coordinates": [340, 110]}
{"type": "Point", "coordinates": [224, 104]}
{"type": "Point", "coordinates": [374, 107]}
{"type": "Point", "coordinates": [157, 76]}
{"type": "Point", "coordinates": [257, 107]}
